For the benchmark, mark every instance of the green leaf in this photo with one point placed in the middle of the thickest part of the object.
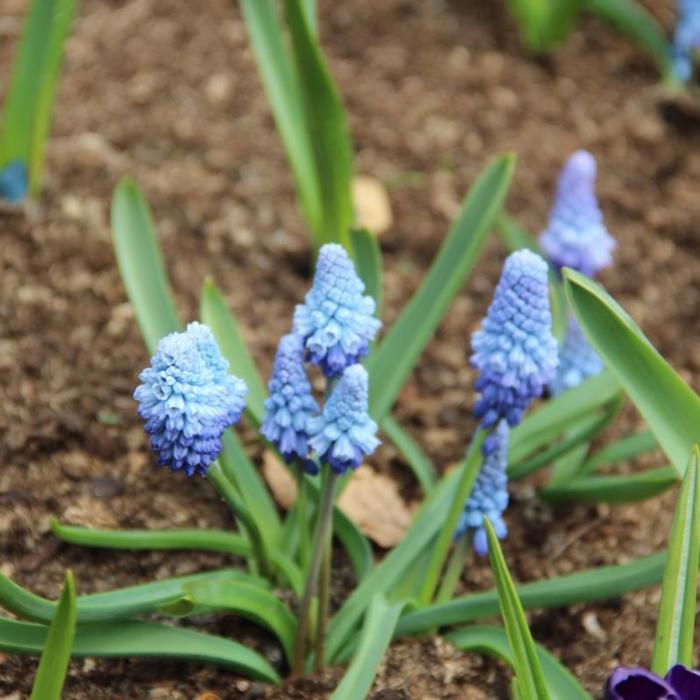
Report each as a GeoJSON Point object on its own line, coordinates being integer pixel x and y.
{"type": "Point", "coordinates": [641, 371]}
{"type": "Point", "coordinates": [493, 641]}
{"type": "Point", "coordinates": [557, 415]}
{"type": "Point", "coordinates": [397, 354]}
{"type": "Point", "coordinates": [122, 603]}
{"type": "Point", "coordinates": [422, 468]}
{"type": "Point", "coordinates": [635, 21]}
{"type": "Point", "coordinates": [251, 602]}
{"type": "Point", "coordinates": [53, 666]}
{"type": "Point", "coordinates": [206, 540]}
{"type": "Point", "coordinates": [327, 129]}
{"type": "Point", "coordinates": [29, 97]}
{"type": "Point", "coordinates": [142, 640]}
{"type": "Point", "coordinates": [283, 90]}
{"type": "Point", "coordinates": [675, 626]}
{"type": "Point", "coordinates": [526, 662]}
{"type": "Point", "coordinates": [354, 542]}
{"type": "Point", "coordinates": [612, 488]}
{"type": "Point", "coordinates": [368, 263]}
{"type": "Point", "coordinates": [214, 311]}
{"type": "Point", "coordinates": [377, 631]}
{"type": "Point", "coordinates": [582, 587]}
{"type": "Point", "coordinates": [626, 448]}
{"type": "Point", "coordinates": [141, 265]}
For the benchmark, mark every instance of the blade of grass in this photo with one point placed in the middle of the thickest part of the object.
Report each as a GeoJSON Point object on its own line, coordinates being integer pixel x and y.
{"type": "Point", "coordinates": [51, 674]}
{"type": "Point", "coordinates": [626, 448]}
{"type": "Point", "coordinates": [675, 626]}
{"type": "Point", "coordinates": [368, 263]}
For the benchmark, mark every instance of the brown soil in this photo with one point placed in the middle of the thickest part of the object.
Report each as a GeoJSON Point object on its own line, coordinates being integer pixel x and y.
{"type": "Point", "coordinates": [168, 93]}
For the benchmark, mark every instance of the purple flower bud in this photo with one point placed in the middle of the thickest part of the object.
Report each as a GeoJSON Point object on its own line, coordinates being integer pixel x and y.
{"type": "Point", "coordinates": [336, 319]}
{"type": "Point", "coordinates": [576, 236]}
{"type": "Point", "coordinates": [188, 398]}
{"type": "Point", "coordinates": [679, 683]}
{"type": "Point", "coordinates": [577, 360]}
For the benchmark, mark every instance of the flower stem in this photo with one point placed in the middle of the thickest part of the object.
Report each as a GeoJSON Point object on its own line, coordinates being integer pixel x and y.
{"type": "Point", "coordinates": [321, 535]}
{"type": "Point", "coordinates": [468, 470]}
{"type": "Point", "coordinates": [302, 517]}
{"type": "Point", "coordinates": [324, 599]}
{"type": "Point", "coordinates": [228, 492]}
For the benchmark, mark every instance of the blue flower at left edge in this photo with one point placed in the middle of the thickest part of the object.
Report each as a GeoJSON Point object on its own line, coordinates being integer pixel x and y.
{"type": "Point", "coordinates": [188, 398]}
{"type": "Point", "coordinates": [337, 319]}
{"type": "Point", "coordinates": [13, 182]}
{"type": "Point", "coordinates": [344, 433]}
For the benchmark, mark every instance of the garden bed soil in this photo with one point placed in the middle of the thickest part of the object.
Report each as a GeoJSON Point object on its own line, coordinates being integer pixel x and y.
{"type": "Point", "coordinates": [168, 93]}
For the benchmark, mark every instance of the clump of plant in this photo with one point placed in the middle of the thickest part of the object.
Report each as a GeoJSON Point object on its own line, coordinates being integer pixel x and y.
{"type": "Point", "coordinates": [26, 112]}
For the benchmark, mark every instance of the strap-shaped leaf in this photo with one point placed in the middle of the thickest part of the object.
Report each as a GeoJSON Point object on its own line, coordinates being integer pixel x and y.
{"type": "Point", "coordinates": [51, 674]}
{"type": "Point", "coordinates": [675, 626]}
{"type": "Point", "coordinates": [393, 361]}
{"type": "Point", "coordinates": [422, 468]}
{"type": "Point", "coordinates": [526, 662]}
{"type": "Point", "coordinates": [625, 448]}
{"type": "Point", "coordinates": [492, 640]}
{"type": "Point", "coordinates": [612, 488]}
{"type": "Point", "coordinates": [377, 632]}
{"type": "Point", "coordinates": [669, 405]}
{"type": "Point", "coordinates": [368, 263]}
{"type": "Point", "coordinates": [130, 638]}
{"type": "Point", "coordinates": [582, 587]}
{"type": "Point", "coordinates": [327, 127]}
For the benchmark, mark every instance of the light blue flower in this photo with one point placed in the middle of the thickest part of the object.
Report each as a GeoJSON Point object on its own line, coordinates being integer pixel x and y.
{"type": "Point", "coordinates": [576, 236]}
{"type": "Point", "coordinates": [13, 181]}
{"type": "Point", "coordinates": [686, 39]}
{"type": "Point", "coordinates": [577, 360]}
{"type": "Point", "coordinates": [188, 398]}
{"type": "Point", "coordinates": [344, 432]}
{"type": "Point", "coordinates": [515, 351]}
{"type": "Point", "coordinates": [489, 497]}
{"type": "Point", "coordinates": [336, 319]}
{"type": "Point", "coordinates": [290, 404]}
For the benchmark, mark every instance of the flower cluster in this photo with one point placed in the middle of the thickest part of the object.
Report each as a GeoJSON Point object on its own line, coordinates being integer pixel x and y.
{"type": "Point", "coordinates": [489, 497]}
{"type": "Point", "coordinates": [515, 351]}
{"type": "Point", "coordinates": [188, 398]}
{"type": "Point", "coordinates": [576, 236]}
{"type": "Point", "coordinates": [336, 320]}
{"type": "Point", "coordinates": [577, 360]}
{"type": "Point", "coordinates": [680, 683]}
{"type": "Point", "coordinates": [13, 182]}
{"type": "Point", "coordinates": [686, 39]}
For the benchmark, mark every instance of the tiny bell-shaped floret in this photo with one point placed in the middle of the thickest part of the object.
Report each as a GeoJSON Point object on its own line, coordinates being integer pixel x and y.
{"type": "Point", "coordinates": [489, 497]}
{"type": "Point", "coordinates": [13, 182]}
{"type": "Point", "coordinates": [577, 360]}
{"type": "Point", "coordinates": [336, 319]}
{"type": "Point", "coordinates": [187, 399]}
{"type": "Point", "coordinates": [686, 39]}
{"type": "Point", "coordinates": [290, 404]}
{"type": "Point", "coordinates": [515, 351]}
{"type": "Point", "coordinates": [344, 433]}
{"type": "Point", "coordinates": [576, 236]}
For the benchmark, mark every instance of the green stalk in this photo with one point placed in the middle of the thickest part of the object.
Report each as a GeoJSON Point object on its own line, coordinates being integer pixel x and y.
{"type": "Point", "coordinates": [454, 569]}
{"type": "Point", "coordinates": [228, 492]}
{"type": "Point", "coordinates": [302, 516]}
{"type": "Point", "coordinates": [468, 471]}
{"type": "Point", "coordinates": [324, 598]}
{"type": "Point", "coordinates": [321, 531]}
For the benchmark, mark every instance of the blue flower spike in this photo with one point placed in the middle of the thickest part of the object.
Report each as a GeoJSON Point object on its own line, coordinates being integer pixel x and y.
{"type": "Point", "coordinates": [577, 360]}
{"type": "Point", "coordinates": [344, 433]}
{"type": "Point", "coordinates": [291, 403]}
{"type": "Point", "coordinates": [489, 497]}
{"type": "Point", "coordinates": [13, 182]}
{"type": "Point", "coordinates": [187, 399]}
{"type": "Point", "coordinates": [686, 40]}
{"type": "Point", "coordinates": [514, 351]}
{"type": "Point", "coordinates": [576, 236]}
{"type": "Point", "coordinates": [336, 319]}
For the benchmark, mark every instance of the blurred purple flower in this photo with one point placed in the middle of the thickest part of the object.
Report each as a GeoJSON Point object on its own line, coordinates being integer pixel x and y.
{"type": "Point", "coordinates": [679, 683]}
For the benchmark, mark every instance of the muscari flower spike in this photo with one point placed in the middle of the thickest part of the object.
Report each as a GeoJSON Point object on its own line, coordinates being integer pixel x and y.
{"type": "Point", "coordinates": [680, 683]}
{"type": "Point", "coordinates": [489, 497]}
{"type": "Point", "coordinates": [514, 351]}
{"type": "Point", "coordinates": [13, 182]}
{"type": "Point", "coordinates": [336, 319]}
{"type": "Point", "coordinates": [686, 39]}
{"type": "Point", "coordinates": [290, 404]}
{"type": "Point", "coordinates": [344, 432]}
{"type": "Point", "coordinates": [188, 399]}
{"type": "Point", "coordinates": [577, 360]}
{"type": "Point", "coordinates": [576, 236]}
